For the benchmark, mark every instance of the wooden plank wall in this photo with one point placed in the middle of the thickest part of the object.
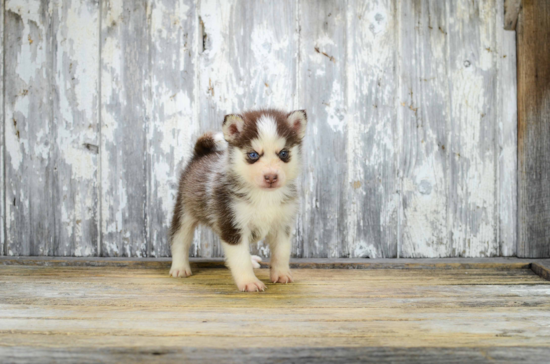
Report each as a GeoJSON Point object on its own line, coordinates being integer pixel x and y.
{"type": "Point", "coordinates": [507, 132]}
{"type": "Point", "coordinates": [374, 127]}
{"type": "Point", "coordinates": [410, 152]}
{"type": "Point", "coordinates": [2, 148]}
{"type": "Point", "coordinates": [28, 104]}
{"type": "Point", "coordinates": [533, 30]}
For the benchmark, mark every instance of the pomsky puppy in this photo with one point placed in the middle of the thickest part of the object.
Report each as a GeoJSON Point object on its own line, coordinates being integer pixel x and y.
{"type": "Point", "coordinates": [243, 186]}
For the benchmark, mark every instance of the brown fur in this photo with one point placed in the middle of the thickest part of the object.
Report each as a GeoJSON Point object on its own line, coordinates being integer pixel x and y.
{"type": "Point", "coordinates": [204, 145]}
{"type": "Point", "coordinates": [250, 129]}
{"type": "Point", "coordinates": [228, 231]}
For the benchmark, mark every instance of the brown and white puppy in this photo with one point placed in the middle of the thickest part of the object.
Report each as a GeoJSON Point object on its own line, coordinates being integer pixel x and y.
{"type": "Point", "coordinates": [244, 189]}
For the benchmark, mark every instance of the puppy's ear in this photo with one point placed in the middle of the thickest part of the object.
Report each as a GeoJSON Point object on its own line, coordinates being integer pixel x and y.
{"type": "Point", "coordinates": [232, 126]}
{"type": "Point", "coordinates": [298, 121]}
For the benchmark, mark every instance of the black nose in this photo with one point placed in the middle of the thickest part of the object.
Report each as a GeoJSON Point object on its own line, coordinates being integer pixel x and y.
{"type": "Point", "coordinates": [271, 178]}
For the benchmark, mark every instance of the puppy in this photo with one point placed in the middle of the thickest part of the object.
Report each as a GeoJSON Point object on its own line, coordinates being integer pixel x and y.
{"type": "Point", "coordinates": [243, 186]}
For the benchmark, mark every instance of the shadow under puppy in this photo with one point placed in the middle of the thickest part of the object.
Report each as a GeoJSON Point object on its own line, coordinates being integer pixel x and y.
{"type": "Point", "coordinates": [242, 185]}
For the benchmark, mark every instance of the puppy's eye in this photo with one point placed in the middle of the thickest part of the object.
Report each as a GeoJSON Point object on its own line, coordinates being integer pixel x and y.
{"type": "Point", "coordinates": [283, 154]}
{"type": "Point", "coordinates": [253, 156]}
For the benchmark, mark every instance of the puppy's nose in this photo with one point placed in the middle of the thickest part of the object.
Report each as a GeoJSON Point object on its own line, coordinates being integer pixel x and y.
{"type": "Point", "coordinates": [270, 178]}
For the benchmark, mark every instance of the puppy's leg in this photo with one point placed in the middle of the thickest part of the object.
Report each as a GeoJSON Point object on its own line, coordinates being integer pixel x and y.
{"type": "Point", "coordinates": [280, 246]}
{"type": "Point", "coordinates": [180, 244]}
{"type": "Point", "coordinates": [240, 263]}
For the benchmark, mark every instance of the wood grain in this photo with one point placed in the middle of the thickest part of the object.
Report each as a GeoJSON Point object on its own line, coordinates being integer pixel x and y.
{"type": "Point", "coordinates": [507, 147]}
{"type": "Point", "coordinates": [321, 91]}
{"type": "Point", "coordinates": [533, 129]}
{"type": "Point", "coordinates": [424, 102]}
{"type": "Point", "coordinates": [472, 133]}
{"type": "Point", "coordinates": [411, 145]}
{"type": "Point", "coordinates": [485, 309]}
{"type": "Point", "coordinates": [53, 141]}
{"type": "Point", "coordinates": [458, 196]}
{"type": "Point", "coordinates": [541, 268]}
{"type": "Point", "coordinates": [173, 52]}
{"type": "Point", "coordinates": [2, 139]}
{"type": "Point", "coordinates": [30, 172]}
{"type": "Point", "coordinates": [125, 88]}
{"type": "Point", "coordinates": [75, 131]}
{"type": "Point", "coordinates": [330, 355]}
{"type": "Point", "coordinates": [372, 205]}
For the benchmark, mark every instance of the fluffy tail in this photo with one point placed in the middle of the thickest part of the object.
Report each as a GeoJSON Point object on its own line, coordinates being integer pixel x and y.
{"type": "Point", "coordinates": [209, 143]}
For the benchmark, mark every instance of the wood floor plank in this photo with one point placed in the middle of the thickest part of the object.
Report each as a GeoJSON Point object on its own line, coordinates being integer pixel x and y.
{"type": "Point", "coordinates": [61, 312]}
{"type": "Point", "coordinates": [425, 355]}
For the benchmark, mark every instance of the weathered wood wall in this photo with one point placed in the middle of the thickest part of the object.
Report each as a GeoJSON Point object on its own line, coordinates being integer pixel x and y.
{"type": "Point", "coordinates": [533, 29]}
{"type": "Point", "coordinates": [411, 147]}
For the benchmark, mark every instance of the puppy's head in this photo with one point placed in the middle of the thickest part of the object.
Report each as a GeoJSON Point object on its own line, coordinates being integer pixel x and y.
{"type": "Point", "coordinates": [264, 146]}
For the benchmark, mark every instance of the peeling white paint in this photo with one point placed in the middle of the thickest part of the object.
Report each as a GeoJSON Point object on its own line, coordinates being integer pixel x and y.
{"type": "Point", "coordinates": [115, 10]}
{"type": "Point", "coordinates": [335, 108]}
{"type": "Point", "coordinates": [378, 19]}
{"type": "Point", "coordinates": [408, 142]}
{"type": "Point", "coordinates": [172, 126]}
{"type": "Point", "coordinates": [363, 249]}
{"type": "Point", "coordinates": [372, 203]}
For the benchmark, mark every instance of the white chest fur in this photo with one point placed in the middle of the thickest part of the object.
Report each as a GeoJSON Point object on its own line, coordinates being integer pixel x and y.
{"type": "Point", "coordinates": [265, 211]}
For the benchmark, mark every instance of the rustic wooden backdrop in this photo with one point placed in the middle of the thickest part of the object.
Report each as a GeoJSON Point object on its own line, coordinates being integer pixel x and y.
{"type": "Point", "coordinates": [410, 152]}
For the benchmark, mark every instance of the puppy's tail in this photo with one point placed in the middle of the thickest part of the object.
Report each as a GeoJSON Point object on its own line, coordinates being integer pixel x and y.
{"type": "Point", "coordinates": [209, 143]}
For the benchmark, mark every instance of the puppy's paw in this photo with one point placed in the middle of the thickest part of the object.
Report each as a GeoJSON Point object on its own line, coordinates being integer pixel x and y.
{"type": "Point", "coordinates": [281, 276]}
{"type": "Point", "coordinates": [180, 270]}
{"type": "Point", "coordinates": [256, 261]}
{"type": "Point", "coordinates": [251, 285]}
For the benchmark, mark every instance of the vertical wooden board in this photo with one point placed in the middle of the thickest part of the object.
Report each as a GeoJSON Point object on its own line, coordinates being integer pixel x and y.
{"type": "Point", "coordinates": [248, 60]}
{"type": "Point", "coordinates": [533, 32]}
{"type": "Point", "coordinates": [74, 134]}
{"type": "Point", "coordinates": [507, 137]}
{"type": "Point", "coordinates": [2, 144]}
{"type": "Point", "coordinates": [173, 52]}
{"type": "Point", "coordinates": [321, 91]}
{"type": "Point", "coordinates": [29, 169]}
{"type": "Point", "coordinates": [372, 85]}
{"type": "Point", "coordinates": [124, 95]}
{"type": "Point", "coordinates": [423, 100]}
{"type": "Point", "coordinates": [472, 136]}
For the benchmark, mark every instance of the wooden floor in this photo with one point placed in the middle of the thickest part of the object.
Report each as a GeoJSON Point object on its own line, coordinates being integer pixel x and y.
{"type": "Point", "coordinates": [127, 314]}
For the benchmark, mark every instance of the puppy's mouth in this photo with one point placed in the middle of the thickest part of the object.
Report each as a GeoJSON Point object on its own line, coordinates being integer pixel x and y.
{"type": "Point", "coordinates": [272, 186]}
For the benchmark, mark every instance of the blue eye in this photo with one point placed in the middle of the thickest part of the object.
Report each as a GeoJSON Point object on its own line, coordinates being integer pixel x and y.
{"type": "Point", "coordinates": [283, 154]}
{"type": "Point", "coordinates": [253, 156]}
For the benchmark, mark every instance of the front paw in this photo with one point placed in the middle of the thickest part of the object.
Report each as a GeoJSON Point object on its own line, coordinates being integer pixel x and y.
{"type": "Point", "coordinates": [252, 284]}
{"type": "Point", "coordinates": [181, 270]}
{"type": "Point", "coordinates": [281, 276]}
